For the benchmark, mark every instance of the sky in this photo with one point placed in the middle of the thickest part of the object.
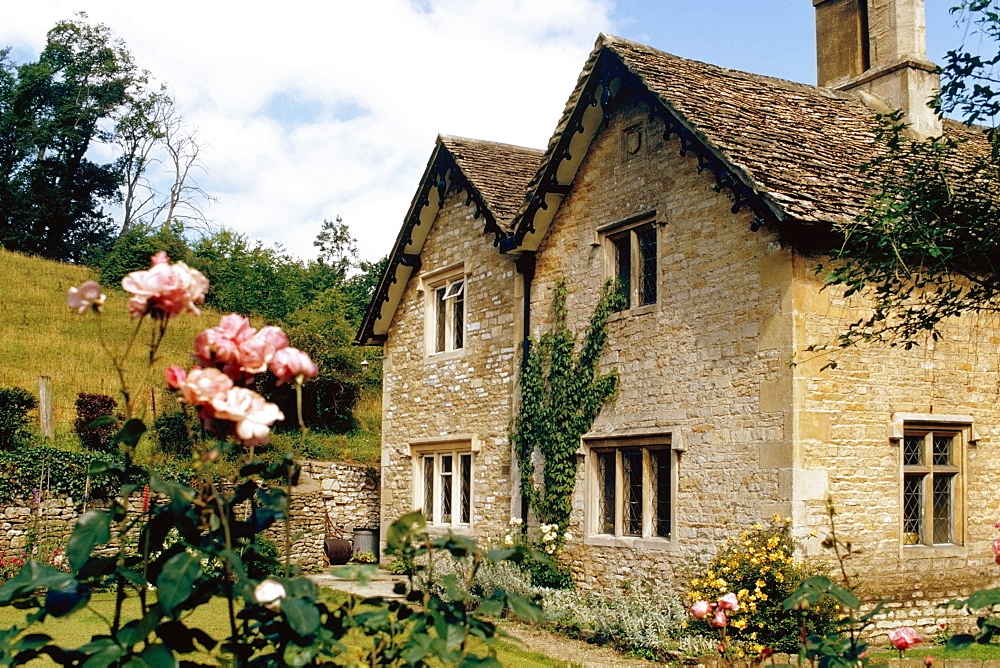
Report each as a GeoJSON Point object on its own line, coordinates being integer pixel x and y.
{"type": "Point", "coordinates": [309, 110]}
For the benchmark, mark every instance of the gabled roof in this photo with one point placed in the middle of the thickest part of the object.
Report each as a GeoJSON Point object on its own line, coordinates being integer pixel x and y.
{"type": "Point", "coordinates": [494, 176]}
{"type": "Point", "coordinates": [786, 150]}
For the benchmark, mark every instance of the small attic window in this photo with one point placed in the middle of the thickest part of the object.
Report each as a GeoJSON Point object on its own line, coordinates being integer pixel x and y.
{"type": "Point", "coordinates": [632, 142]}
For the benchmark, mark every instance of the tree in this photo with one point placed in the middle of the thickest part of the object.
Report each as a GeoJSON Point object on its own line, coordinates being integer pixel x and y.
{"type": "Point", "coordinates": [85, 90]}
{"type": "Point", "coordinates": [927, 246]}
{"type": "Point", "coordinates": [337, 248]}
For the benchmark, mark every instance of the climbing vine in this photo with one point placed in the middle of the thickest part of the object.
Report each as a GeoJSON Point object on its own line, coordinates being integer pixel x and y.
{"type": "Point", "coordinates": [561, 395]}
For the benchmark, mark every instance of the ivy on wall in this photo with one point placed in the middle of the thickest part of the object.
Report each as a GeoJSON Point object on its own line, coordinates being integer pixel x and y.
{"type": "Point", "coordinates": [561, 395]}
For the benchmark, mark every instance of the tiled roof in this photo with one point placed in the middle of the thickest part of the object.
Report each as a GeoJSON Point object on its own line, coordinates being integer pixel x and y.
{"type": "Point", "coordinates": [500, 172]}
{"type": "Point", "coordinates": [799, 147]}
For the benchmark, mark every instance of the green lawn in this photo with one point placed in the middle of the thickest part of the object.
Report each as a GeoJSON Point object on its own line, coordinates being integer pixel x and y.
{"type": "Point", "coordinates": [989, 652]}
{"type": "Point", "coordinates": [213, 619]}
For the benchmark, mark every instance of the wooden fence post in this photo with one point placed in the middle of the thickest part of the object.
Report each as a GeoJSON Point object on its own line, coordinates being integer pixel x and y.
{"type": "Point", "coordinates": [45, 405]}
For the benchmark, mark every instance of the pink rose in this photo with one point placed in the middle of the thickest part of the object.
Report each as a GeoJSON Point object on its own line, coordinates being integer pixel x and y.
{"type": "Point", "coordinates": [176, 376]}
{"type": "Point", "coordinates": [165, 290]}
{"type": "Point", "coordinates": [87, 296]}
{"type": "Point", "coordinates": [291, 363]}
{"type": "Point", "coordinates": [903, 638]}
{"type": "Point", "coordinates": [719, 621]}
{"type": "Point", "coordinates": [202, 386]}
{"type": "Point", "coordinates": [251, 413]}
{"type": "Point", "coordinates": [700, 609]}
{"type": "Point", "coordinates": [996, 550]}
{"type": "Point", "coordinates": [256, 352]}
{"type": "Point", "coordinates": [729, 602]}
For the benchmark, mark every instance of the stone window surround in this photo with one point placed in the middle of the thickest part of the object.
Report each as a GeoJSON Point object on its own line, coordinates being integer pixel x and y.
{"type": "Point", "coordinates": [673, 439]}
{"type": "Point", "coordinates": [603, 238]}
{"type": "Point", "coordinates": [417, 448]}
{"type": "Point", "coordinates": [429, 282]}
{"type": "Point", "coordinates": [969, 436]}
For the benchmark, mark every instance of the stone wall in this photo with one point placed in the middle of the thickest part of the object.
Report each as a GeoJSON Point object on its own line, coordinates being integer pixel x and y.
{"type": "Point", "coordinates": [849, 453]}
{"type": "Point", "coordinates": [465, 395]}
{"type": "Point", "coordinates": [346, 494]}
{"type": "Point", "coordinates": [691, 365]}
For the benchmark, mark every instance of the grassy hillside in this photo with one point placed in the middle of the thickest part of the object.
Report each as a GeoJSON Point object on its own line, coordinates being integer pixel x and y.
{"type": "Point", "coordinates": [41, 336]}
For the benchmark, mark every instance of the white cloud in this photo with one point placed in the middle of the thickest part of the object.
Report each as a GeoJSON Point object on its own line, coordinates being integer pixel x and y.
{"type": "Point", "coordinates": [381, 78]}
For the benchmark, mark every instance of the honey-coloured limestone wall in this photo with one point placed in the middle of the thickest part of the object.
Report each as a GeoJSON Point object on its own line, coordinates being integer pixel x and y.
{"type": "Point", "coordinates": [843, 417]}
{"type": "Point", "coordinates": [456, 394]}
{"type": "Point", "coordinates": [704, 365]}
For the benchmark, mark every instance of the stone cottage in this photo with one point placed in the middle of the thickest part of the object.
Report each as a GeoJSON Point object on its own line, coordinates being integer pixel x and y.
{"type": "Point", "coordinates": [707, 193]}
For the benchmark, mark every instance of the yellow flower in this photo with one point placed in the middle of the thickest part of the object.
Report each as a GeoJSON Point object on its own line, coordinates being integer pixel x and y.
{"type": "Point", "coordinates": [740, 623]}
{"type": "Point", "coordinates": [761, 583]}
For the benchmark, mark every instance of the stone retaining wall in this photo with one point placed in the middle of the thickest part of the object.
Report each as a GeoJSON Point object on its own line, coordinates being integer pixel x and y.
{"type": "Point", "coordinates": [344, 497]}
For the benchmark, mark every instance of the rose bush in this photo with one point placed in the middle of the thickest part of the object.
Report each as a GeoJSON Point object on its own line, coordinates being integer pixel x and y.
{"type": "Point", "coordinates": [198, 541]}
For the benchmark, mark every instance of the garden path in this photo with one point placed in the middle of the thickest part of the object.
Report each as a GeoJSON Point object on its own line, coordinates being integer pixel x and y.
{"type": "Point", "coordinates": [555, 645]}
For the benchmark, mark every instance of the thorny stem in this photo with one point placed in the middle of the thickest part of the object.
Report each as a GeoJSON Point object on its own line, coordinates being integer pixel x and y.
{"type": "Point", "coordinates": [224, 521]}
{"type": "Point", "coordinates": [835, 544]}
{"type": "Point", "coordinates": [288, 476]}
{"type": "Point", "coordinates": [122, 530]}
{"type": "Point", "coordinates": [119, 362]}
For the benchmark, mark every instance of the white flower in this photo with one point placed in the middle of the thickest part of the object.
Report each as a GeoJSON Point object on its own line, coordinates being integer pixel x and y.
{"type": "Point", "coordinates": [515, 522]}
{"type": "Point", "coordinates": [269, 594]}
{"type": "Point", "coordinates": [508, 540]}
{"type": "Point", "coordinates": [567, 536]}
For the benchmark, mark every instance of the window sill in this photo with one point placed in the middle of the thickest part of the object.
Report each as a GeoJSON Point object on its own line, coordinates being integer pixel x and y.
{"type": "Point", "coordinates": [633, 542]}
{"type": "Point", "coordinates": [446, 356]}
{"type": "Point", "coordinates": [932, 551]}
{"type": "Point", "coordinates": [632, 312]}
{"type": "Point", "coordinates": [442, 529]}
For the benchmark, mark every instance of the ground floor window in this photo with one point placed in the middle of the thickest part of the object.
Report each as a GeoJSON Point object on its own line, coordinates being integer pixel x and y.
{"type": "Point", "coordinates": [631, 490]}
{"type": "Point", "coordinates": [932, 458]}
{"type": "Point", "coordinates": [443, 485]}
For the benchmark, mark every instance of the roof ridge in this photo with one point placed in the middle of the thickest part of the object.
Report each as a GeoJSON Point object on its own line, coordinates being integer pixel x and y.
{"type": "Point", "coordinates": [455, 138]}
{"type": "Point", "coordinates": [613, 40]}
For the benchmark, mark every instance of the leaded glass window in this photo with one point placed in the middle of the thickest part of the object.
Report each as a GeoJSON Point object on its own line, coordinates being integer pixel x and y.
{"type": "Point", "coordinates": [930, 477]}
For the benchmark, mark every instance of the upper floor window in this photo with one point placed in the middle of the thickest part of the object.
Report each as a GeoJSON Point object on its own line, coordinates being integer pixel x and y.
{"type": "Point", "coordinates": [634, 259]}
{"type": "Point", "coordinates": [445, 323]}
{"type": "Point", "coordinates": [932, 484]}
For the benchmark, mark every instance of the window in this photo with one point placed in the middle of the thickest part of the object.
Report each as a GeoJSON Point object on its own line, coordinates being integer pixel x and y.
{"type": "Point", "coordinates": [445, 323]}
{"type": "Point", "coordinates": [632, 488]}
{"type": "Point", "coordinates": [633, 258]}
{"type": "Point", "coordinates": [443, 485]}
{"type": "Point", "coordinates": [932, 482]}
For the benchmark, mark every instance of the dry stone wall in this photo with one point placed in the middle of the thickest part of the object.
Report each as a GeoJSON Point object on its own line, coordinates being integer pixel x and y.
{"type": "Point", "coordinates": [343, 497]}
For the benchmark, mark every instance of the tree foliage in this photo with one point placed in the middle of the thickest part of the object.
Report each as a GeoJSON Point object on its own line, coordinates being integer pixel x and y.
{"type": "Point", "coordinates": [927, 246]}
{"type": "Point", "coordinates": [561, 394]}
{"type": "Point", "coordinates": [85, 92]}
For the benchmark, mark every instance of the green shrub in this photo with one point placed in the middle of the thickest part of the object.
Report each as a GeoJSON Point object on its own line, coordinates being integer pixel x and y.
{"type": "Point", "coordinates": [58, 472]}
{"type": "Point", "coordinates": [549, 575]}
{"type": "Point", "coordinates": [15, 403]}
{"type": "Point", "coordinates": [90, 407]}
{"type": "Point", "coordinates": [173, 435]}
{"type": "Point", "coordinates": [759, 566]}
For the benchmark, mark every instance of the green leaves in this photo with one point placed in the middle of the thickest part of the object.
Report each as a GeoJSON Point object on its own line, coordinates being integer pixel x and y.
{"type": "Point", "coordinates": [561, 395]}
{"type": "Point", "coordinates": [177, 579]}
{"type": "Point", "coordinates": [92, 529]}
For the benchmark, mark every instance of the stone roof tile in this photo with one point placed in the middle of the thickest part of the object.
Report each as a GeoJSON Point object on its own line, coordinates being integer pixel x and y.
{"type": "Point", "coordinates": [500, 172]}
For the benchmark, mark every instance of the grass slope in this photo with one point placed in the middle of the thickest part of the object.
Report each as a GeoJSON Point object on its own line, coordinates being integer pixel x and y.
{"type": "Point", "coordinates": [41, 336]}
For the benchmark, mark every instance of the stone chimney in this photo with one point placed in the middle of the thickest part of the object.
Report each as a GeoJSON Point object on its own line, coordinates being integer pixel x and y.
{"type": "Point", "coordinates": [879, 47]}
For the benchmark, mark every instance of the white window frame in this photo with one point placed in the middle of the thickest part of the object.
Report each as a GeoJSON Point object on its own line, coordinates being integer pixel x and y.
{"type": "Point", "coordinates": [964, 436]}
{"type": "Point", "coordinates": [436, 456]}
{"type": "Point", "coordinates": [445, 289]}
{"type": "Point", "coordinates": [626, 234]}
{"type": "Point", "coordinates": [618, 448]}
